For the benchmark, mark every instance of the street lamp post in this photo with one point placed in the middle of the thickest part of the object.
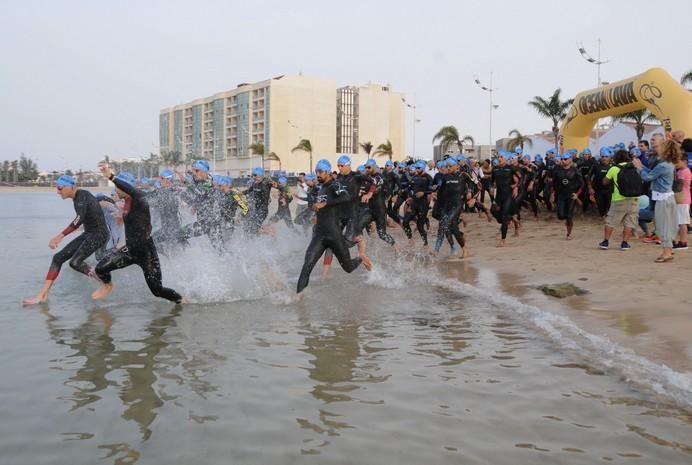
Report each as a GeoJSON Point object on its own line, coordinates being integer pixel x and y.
{"type": "Point", "coordinates": [596, 61]}
{"type": "Point", "coordinates": [413, 107]}
{"type": "Point", "coordinates": [489, 89]}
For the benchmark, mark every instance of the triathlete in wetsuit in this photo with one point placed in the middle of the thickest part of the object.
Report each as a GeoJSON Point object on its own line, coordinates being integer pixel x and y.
{"type": "Point", "coordinates": [258, 195]}
{"type": "Point", "coordinates": [166, 200]}
{"type": "Point", "coordinates": [390, 182]}
{"type": "Point", "coordinates": [139, 246]}
{"type": "Point", "coordinates": [327, 233]}
{"type": "Point", "coordinates": [586, 166]}
{"type": "Point", "coordinates": [451, 195]}
{"type": "Point", "coordinates": [506, 183]}
{"type": "Point", "coordinates": [229, 201]}
{"type": "Point", "coordinates": [283, 211]}
{"type": "Point", "coordinates": [375, 201]}
{"type": "Point", "coordinates": [304, 218]}
{"type": "Point", "coordinates": [198, 195]}
{"type": "Point", "coordinates": [402, 192]}
{"type": "Point", "coordinates": [568, 185]}
{"type": "Point", "coordinates": [603, 192]}
{"type": "Point", "coordinates": [95, 235]}
{"type": "Point", "coordinates": [421, 187]}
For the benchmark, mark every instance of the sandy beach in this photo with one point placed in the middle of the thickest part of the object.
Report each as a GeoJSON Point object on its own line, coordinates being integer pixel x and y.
{"type": "Point", "coordinates": [639, 304]}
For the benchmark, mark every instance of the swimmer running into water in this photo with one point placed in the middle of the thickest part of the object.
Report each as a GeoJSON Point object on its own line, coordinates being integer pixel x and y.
{"type": "Point", "coordinates": [95, 235]}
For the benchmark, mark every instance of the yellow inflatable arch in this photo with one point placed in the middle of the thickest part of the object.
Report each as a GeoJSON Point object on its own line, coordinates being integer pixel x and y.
{"type": "Point", "coordinates": [654, 90]}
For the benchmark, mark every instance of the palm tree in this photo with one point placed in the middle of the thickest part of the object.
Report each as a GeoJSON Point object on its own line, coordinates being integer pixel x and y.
{"type": "Point", "coordinates": [686, 78]}
{"type": "Point", "coordinates": [518, 139]}
{"type": "Point", "coordinates": [448, 136]}
{"type": "Point", "coordinates": [367, 147]}
{"type": "Point", "coordinates": [639, 118]}
{"type": "Point", "coordinates": [384, 150]}
{"type": "Point", "coordinates": [305, 146]}
{"type": "Point", "coordinates": [258, 149]}
{"type": "Point", "coordinates": [274, 157]}
{"type": "Point", "coordinates": [468, 139]}
{"type": "Point", "coordinates": [553, 108]}
{"type": "Point", "coordinates": [171, 158]}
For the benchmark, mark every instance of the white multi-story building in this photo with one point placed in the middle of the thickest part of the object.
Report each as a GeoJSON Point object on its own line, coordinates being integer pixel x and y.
{"type": "Point", "coordinates": [278, 113]}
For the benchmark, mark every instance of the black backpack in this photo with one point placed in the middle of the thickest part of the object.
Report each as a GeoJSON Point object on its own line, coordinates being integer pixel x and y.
{"type": "Point", "coordinates": [629, 181]}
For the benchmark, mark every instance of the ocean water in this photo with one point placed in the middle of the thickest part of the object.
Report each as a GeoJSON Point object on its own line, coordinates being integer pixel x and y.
{"type": "Point", "coordinates": [404, 365]}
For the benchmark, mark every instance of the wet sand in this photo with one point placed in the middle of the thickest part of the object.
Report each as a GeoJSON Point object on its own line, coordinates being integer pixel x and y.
{"type": "Point", "coordinates": [635, 302]}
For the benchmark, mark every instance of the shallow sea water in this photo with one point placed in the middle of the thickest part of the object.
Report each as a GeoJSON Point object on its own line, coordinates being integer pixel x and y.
{"type": "Point", "coordinates": [400, 366]}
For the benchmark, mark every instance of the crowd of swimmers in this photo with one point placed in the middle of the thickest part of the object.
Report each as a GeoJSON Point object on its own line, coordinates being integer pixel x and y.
{"type": "Point", "coordinates": [342, 208]}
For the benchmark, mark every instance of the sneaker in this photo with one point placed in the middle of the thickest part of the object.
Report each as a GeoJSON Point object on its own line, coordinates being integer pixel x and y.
{"type": "Point", "coordinates": [680, 246]}
{"type": "Point", "coordinates": [651, 239]}
{"type": "Point", "coordinates": [625, 246]}
{"type": "Point", "coordinates": [603, 245]}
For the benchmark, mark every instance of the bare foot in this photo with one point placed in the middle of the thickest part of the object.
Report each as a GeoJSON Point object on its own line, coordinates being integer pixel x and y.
{"type": "Point", "coordinates": [568, 237]}
{"type": "Point", "coordinates": [397, 251]}
{"type": "Point", "coordinates": [39, 299]}
{"type": "Point", "coordinates": [102, 292]}
{"type": "Point", "coordinates": [185, 300]}
{"type": "Point", "coordinates": [366, 262]}
{"type": "Point", "coordinates": [516, 233]}
{"type": "Point", "coordinates": [502, 243]}
{"type": "Point", "coordinates": [326, 276]}
{"type": "Point", "coordinates": [464, 252]}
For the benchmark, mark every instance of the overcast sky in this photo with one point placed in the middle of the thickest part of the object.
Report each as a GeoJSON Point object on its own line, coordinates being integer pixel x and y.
{"type": "Point", "coordinates": [81, 79]}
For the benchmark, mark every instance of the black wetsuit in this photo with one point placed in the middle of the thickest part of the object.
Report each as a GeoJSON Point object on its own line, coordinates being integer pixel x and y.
{"type": "Point", "coordinates": [95, 235]}
{"type": "Point", "coordinates": [390, 181]}
{"type": "Point", "coordinates": [603, 193]}
{"type": "Point", "coordinates": [258, 195]}
{"type": "Point", "coordinates": [199, 195]}
{"type": "Point", "coordinates": [349, 211]}
{"type": "Point", "coordinates": [139, 246]}
{"type": "Point", "coordinates": [421, 186]}
{"type": "Point", "coordinates": [451, 196]}
{"type": "Point", "coordinates": [327, 233]}
{"type": "Point", "coordinates": [283, 212]}
{"type": "Point", "coordinates": [504, 180]}
{"type": "Point", "coordinates": [436, 184]}
{"type": "Point", "coordinates": [304, 217]}
{"type": "Point", "coordinates": [402, 194]}
{"type": "Point", "coordinates": [228, 204]}
{"type": "Point", "coordinates": [566, 181]}
{"type": "Point", "coordinates": [375, 209]}
{"type": "Point", "coordinates": [167, 202]}
{"type": "Point", "coordinates": [586, 169]}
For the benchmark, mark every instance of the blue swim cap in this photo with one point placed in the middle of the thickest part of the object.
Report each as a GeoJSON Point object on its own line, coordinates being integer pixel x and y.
{"type": "Point", "coordinates": [202, 165]}
{"type": "Point", "coordinates": [310, 177]}
{"type": "Point", "coordinates": [527, 157]}
{"type": "Point", "coordinates": [636, 152]}
{"type": "Point", "coordinates": [222, 180]}
{"type": "Point", "coordinates": [441, 164]}
{"type": "Point", "coordinates": [258, 171]}
{"type": "Point", "coordinates": [127, 178]}
{"type": "Point", "coordinates": [65, 181]}
{"type": "Point", "coordinates": [421, 165]}
{"type": "Point", "coordinates": [412, 168]}
{"type": "Point", "coordinates": [538, 158]}
{"type": "Point", "coordinates": [496, 162]}
{"type": "Point", "coordinates": [344, 160]}
{"type": "Point", "coordinates": [283, 180]}
{"type": "Point", "coordinates": [323, 165]}
{"type": "Point", "coordinates": [518, 150]}
{"type": "Point", "coordinates": [402, 164]}
{"type": "Point", "coordinates": [371, 162]}
{"type": "Point", "coordinates": [606, 152]}
{"type": "Point", "coordinates": [145, 181]}
{"type": "Point", "coordinates": [388, 163]}
{"type": "Point", "coordinates": [586, 151]}
{"type": "Point", "coordinates": [550, 150]}
{"type": "Point", "coordinates": [168, 174]}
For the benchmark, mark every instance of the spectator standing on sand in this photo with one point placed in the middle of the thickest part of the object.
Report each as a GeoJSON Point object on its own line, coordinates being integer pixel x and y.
{"type": "Point", "coordinates": [665, 212]}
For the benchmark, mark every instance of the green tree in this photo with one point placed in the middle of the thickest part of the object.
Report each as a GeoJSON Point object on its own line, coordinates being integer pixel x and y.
{"type": "Point", "coordinates": [14, 166]}
{"type": "Point", "coordinates": [5, 171]}
{"type": "Point", "coordinates": [448, 136]}
{"type": "Point", "coordinates": [639, 118]}
{"type": "Point", "coordinates": [258, 149]}
{"type": "Point", "coordinates": [274, 157]}
{"type": "Point", "coordinates": [553, 108]}
{"type": "Point", "coordinates": [384, 150]}
{"type": "Point", "coordinates": [518, 140]}
{"type": "Point", "coordinates": [305, 146]}
{"type": "Point", "coordinates": [28, 171]}
{"type": "Point", "coordinates": [686, 78]}
{"type": "Point", "coordinates": [367, 147]}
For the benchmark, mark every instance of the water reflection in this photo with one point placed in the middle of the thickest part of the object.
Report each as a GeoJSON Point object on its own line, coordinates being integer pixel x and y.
{"type": "Point", "coordinates": [131, 366]}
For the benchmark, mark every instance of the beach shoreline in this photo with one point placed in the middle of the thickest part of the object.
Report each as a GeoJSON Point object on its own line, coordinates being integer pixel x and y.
{"type": "Point", "coordinates": [638, 304]}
